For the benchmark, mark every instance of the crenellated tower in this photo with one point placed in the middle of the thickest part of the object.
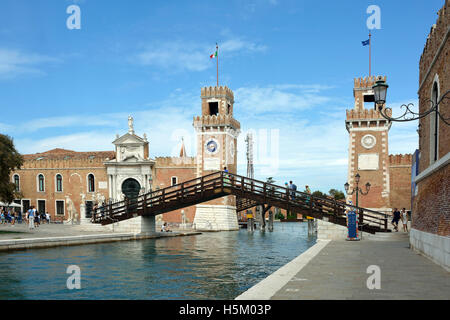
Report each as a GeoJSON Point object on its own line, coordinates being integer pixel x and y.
{"type": "Point", "coordinates": [368, 147]}
{"type": "Point", "coordinates": [217, 132]}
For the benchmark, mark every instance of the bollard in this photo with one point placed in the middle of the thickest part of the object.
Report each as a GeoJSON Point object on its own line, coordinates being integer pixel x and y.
{"type": "Point", "coordinates": [270, 220]}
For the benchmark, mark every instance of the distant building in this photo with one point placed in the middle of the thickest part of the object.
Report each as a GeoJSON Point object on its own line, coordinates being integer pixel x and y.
{"type": "Point", "coordinates": [389, 175]}
{"type": "Point", "coordinates": [430, 232]}
{"type": "Point", "coordinates": [55, 179]}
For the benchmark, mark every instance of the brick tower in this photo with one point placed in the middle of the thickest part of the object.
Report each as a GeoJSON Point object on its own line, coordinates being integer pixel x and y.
{"type": "Point", "coordinates": [368, 148]}
{"type": "Point", "coordinates": [217, 132]}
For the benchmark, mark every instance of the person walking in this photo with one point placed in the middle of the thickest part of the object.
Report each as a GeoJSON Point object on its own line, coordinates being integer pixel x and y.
{"type": "Point", "coordinates": [2, 215]}
{"type": "Point", "coordinates": [404, 217]}
{"type": "Point", "coordinates": [30, 216]}
{"type": "Point", "coordinates": [395, 219]}
{"type": "Point", "coordinates": [293, 188]}
{"type": "Point", "coordinates": [47, 217]}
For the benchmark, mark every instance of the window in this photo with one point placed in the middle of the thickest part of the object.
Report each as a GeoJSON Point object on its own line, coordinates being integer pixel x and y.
{"type": "Point", "coordinates": [174, 181]}
{"type": "Point", "coordinates": [434, 128]}
{"type": "Point", "coordinates": [41, 183]}
{"type": "Point", "coordinates": [60, 207]}
{"type": "Point", "coordinates": [17, 182]}
{"type": "Point", "coordinates": [229, 109]}
{"type": "Point", "coordinates": [91, 183]}
{"type": "Point", "coordinates": [59, 187]}
{"type": "Point", "coordinates": [213, 108]}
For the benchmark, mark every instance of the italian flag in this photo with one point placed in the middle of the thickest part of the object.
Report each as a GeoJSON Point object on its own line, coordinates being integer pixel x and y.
{"type": "Point", "coordinates": [213, 55]}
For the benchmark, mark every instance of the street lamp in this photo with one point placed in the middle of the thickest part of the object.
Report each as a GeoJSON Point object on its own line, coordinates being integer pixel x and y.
{"type": "Point", "coordinates": [357, 189]}
{"type": "Point", "coordinates": [380, 91]}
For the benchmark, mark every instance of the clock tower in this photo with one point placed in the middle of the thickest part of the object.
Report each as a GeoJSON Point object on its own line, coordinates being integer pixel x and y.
{"type": "Point", "coordinates": [217, 132]}
{"type": "Point", "coordinates": [368, 147]}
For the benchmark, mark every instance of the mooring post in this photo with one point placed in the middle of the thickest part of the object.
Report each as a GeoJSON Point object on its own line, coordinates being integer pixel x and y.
{"type": "Point", "coordinates": [262, 217]}
{"type": "Point", "coordinates": [250, 223]}
{"type": "Point", "coordinates": [270, 220]}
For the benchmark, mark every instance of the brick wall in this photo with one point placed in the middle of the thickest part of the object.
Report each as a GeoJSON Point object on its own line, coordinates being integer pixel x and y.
{"type": "Point", "coordinates": [184, 168]}
{"type": "Point", "coordinates": [400, 181]}
{"type": "Point", "coordinates": [431, 209]}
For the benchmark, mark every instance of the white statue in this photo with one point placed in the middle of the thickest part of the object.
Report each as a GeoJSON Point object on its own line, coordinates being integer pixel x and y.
{"type": "Point", "coordinates": [183, 217]}
{"type": "Point", "coordinates": [71, 210]}
{"type": "Point", "coordinates": [130, 153]}
{"type": "Point", "coordinates": [83, 205]}
{"type": "Point", "coordinates": [130, 125]}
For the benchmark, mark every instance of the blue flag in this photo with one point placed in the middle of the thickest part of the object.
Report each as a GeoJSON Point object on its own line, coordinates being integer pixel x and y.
{"type": "Point", "coordinates": [366, 43]}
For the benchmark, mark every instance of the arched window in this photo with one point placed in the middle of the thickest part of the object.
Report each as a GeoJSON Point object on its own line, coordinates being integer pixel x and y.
{"type": "Point", "coordinates": [17, 182]}
{"type": "Point", "coordinates": [434, 126]}
{"type": "Point", "coordinates": [41, 183]}
{"type": "Point", "coordinates": [91, 183]}
{"type": "Point", "coordinates": [59, 184]}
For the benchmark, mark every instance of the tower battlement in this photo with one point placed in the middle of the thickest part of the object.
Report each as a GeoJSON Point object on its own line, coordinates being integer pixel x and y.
{"type": "Point", "coordinates": [400, 159]}
{"type": "Point", "coordinates": [367, 82]}
{"type": "Point", "coordinates": [221, 91]}
{"type": "Point", "coordinates": [216, 121]}
{"type": "Point", "coordinates": [366, 114]}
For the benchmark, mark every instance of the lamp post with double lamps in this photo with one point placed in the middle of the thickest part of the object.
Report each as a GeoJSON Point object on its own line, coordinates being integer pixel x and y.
{"type": "Point", "coordinates": [357, 189]}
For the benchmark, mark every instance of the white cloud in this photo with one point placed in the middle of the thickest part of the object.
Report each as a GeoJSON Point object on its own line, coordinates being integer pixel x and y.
{"type": "Point", "coordinates": [280, 98]}
{"type": "Point", "coordinates": [15, 62]}
{"type": "Point", "coordinates": [185, 56]}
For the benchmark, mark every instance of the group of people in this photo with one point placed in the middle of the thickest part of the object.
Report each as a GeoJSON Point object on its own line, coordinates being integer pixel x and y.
{"type": "Point", "coordinates": [35, 218]}
{"type": "Point", "coordinates": [8, 216]}
{"type": "Point", "coordinates": [397, 215]}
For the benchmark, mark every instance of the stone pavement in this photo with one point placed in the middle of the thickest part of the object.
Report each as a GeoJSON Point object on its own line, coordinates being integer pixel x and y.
{"type": "Point", "coordinates": [339, 271]}
{"type": "Point", "coordinates": [44, 231]}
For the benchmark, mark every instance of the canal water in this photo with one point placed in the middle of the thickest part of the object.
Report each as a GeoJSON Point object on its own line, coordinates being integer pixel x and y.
{"type": "Point", "coordinates": [213, 265]}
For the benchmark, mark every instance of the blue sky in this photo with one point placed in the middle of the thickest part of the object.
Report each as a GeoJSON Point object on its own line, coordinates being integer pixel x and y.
{"type": "Point", "coordinates": [291, 65]}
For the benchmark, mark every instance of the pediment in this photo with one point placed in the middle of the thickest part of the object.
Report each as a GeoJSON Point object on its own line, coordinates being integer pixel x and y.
{"type": "Point", "coordinates": [129, 139]}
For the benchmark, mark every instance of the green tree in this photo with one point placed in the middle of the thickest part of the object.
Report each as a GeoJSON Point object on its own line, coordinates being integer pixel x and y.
{"type": "Point", "coordinates": [338, 195]}
{"type": "Point", "coordinates": [10, 160]}
{"type": "Point", "coordinates": [318, 194]}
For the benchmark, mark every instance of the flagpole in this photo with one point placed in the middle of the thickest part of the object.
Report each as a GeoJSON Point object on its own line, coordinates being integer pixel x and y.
{"type": "Point", "coordinates": [370, 49]}
{"type": "Point", "coordinates": [217, 50]}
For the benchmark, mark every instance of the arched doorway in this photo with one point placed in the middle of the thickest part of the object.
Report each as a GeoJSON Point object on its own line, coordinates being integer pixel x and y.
{"type": "Point", "coordinates": [131, 188]}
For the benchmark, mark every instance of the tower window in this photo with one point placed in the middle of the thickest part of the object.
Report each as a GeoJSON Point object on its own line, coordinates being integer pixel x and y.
{"type": "Point", "coordinates": [229, 109]}
{"type": "Point", "coordinates": [213, 108]}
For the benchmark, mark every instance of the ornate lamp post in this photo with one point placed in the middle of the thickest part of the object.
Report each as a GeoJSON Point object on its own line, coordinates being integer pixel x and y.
{"type": "Point", "coordinates": [380, 91]}
{"type": "Point", "coordinates": [357, 189]}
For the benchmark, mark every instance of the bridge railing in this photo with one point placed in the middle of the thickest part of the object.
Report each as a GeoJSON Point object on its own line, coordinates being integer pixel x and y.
{"type": "Point", "coordinates": [237, 185]}
{"type": "Point", "coordinates": [158, 197]}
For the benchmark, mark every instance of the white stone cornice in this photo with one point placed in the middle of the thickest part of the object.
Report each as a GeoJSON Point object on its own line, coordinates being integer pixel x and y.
{"type": "Point", "coordinates": [442, 162]}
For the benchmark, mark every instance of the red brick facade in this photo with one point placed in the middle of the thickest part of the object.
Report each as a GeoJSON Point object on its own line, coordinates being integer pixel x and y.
{"type": "Point", "coordinates": [431, 207]}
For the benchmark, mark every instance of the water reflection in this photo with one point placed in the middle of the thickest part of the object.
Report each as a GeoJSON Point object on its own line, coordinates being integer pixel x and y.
{"type": "Point", "coordinates": [217, 265]}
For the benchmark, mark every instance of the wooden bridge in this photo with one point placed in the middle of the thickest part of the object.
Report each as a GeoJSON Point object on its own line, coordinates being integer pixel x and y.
{"type": "Point", "coordinates": [249, 193]}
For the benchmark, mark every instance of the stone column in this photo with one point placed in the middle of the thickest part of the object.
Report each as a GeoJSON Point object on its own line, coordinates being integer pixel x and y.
{"type": "Point", "coordinates": [148, 225]}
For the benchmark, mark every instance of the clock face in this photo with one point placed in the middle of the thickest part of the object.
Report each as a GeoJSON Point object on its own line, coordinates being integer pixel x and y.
{"type": "Point", "coordinates": [212, 146]}
{"type": "Point", "coordinates": [368, 141]}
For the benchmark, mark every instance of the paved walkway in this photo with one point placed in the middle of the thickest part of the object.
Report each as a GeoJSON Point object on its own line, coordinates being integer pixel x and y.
{"type": "Point", "coordinates": [338, 270]}
{"type": "Point", "coordinates": [8, 231]}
